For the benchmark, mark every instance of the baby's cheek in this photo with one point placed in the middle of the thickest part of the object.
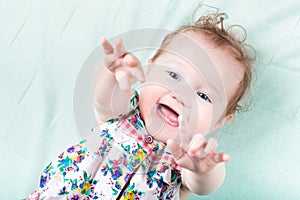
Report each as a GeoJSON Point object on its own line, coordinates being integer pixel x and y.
{"type": "Point", "coordinates": [149, 96]}
{"type": "Point", "coordinates": [204, 121]}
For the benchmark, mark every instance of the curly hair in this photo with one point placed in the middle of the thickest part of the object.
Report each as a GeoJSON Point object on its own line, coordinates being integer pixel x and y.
{"type": "Point", "coordinates": [211, 26]}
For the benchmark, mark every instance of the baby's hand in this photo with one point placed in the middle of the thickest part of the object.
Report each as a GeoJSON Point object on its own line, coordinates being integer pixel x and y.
{"type": "Point", "coordinates": [125, 66]}
{"type": "Point", "coordinates": [199, 156]}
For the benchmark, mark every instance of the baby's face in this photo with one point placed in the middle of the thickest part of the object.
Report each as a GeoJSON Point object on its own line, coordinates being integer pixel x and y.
{"type": "Point", "coordinates": [192, 78]}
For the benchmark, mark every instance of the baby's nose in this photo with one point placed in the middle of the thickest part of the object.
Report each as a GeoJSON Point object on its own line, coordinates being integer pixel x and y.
{"type": "Point", "coordinates": [183, 98]}
{"type": "Point", "coordinates": [177, 98]}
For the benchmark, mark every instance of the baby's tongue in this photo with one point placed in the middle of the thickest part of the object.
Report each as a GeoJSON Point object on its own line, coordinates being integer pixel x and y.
{"type": "Point", "coordinates": [170, 116]}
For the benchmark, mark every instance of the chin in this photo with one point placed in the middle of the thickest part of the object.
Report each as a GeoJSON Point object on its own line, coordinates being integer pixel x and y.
{"type": "Point", "coordinates": [165, 133]}
{"type": "Point", "coordinates": [163, 137]}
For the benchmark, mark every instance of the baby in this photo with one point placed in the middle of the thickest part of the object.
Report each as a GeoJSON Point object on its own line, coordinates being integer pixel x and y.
{"type": "Point", "coordinates": [157, 149]}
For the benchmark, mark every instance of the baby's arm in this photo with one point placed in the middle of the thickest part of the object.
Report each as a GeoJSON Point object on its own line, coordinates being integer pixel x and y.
{"type": "Point", "coordinates": [112, 92]}
{"type": "Point", "coordinates": [203, 170]}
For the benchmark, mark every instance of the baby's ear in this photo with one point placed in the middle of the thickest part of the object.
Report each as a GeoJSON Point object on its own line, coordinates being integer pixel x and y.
{"type": "Point", "coordinates": [228, 118]}
{"type": "Point", "coordinates": [221, 122]}
{"type": "Point", "coordinates": [150, 62]}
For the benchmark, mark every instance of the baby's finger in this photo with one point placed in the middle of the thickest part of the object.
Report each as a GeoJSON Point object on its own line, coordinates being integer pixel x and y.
{"type": "Point", "coordinates": [196, 145]}
{"type": "Point", "coordinates": [138, 73]}
{"type": "Point", "coordinates": [175, 148]}
{"type": "Point", "coordinates": [131, 60]}
{"type": "Point", "coordinates": [108, 49]}
{"type": "Point", "coordinates": [208, 148]}
{"type": "Point", "coordinates": [221, 157]}
{"type": "Point", "coordinates": [212, 145]}
{"type": "Point", "coordinates": [120, 50]}
{"type": "Point", "coordinates": [178, 152]}
{"type": "Point", "coordinates": [136, 70]}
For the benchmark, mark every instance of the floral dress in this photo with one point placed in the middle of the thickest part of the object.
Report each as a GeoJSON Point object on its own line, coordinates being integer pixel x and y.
{"type": "Point", "coordinates": [127, 163]}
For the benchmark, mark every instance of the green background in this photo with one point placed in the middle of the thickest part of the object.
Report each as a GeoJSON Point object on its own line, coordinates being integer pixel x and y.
{"type": "Point", "coordinates": [43, 45]}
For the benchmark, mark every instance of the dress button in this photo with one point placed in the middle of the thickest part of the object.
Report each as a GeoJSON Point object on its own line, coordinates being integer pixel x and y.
{"type": "Point", "coordinates": [164, 188]}
{"type": "Point", "coordinates": [149, 139]}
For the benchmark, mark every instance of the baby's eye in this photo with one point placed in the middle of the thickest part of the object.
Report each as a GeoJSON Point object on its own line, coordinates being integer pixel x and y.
{"type": "Point", "coordinates": [174, 75]}
{"type": "Point", "coordinates": [204, 97]}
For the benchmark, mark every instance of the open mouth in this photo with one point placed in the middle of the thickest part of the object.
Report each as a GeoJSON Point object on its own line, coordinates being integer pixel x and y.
{"type": "Point", "coordinates": [169, 115]}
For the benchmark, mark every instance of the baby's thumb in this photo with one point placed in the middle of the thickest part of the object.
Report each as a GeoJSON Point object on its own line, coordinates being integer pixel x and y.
{"type": "Point", "coordinates": [122, 78]}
